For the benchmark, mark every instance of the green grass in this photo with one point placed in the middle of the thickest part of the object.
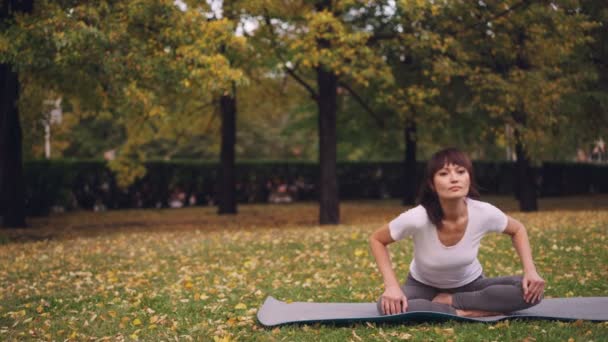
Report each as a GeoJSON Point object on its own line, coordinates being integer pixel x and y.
{"type": "Point", "coordinates": [190, 274]}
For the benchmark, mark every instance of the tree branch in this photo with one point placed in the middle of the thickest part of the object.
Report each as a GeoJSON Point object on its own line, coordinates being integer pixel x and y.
{"type": "Point", "coordinates": [363, 104]}
{"type": "Point", "coordinates": [523, 3]}
{"type": "Point", "coordinates": [210, 122]}
{"type": "Point", "coordinates": [290, 71]}
{"type": "Point", "coordinates": [381, 36]}
{"type": "Point", "coordinates": [303, 83]}
{"type": "Point", "coordinates": [211, 104]}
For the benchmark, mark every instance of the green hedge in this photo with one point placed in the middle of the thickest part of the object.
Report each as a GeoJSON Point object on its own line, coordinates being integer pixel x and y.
{"type": "Point", "coordinates": [86, 183]}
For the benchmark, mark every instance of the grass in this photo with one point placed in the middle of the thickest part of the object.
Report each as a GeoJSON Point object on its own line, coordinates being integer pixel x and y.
{"type": "Point", "coordinates": [189, 274]}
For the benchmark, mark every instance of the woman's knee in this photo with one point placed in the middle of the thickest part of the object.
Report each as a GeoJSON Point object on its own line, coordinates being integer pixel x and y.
{"type": "Point", "coordinates": [528, 305]}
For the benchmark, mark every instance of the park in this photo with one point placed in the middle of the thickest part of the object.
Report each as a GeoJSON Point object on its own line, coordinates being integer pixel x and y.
{"type": "Point", "coordinates": [166, 166]}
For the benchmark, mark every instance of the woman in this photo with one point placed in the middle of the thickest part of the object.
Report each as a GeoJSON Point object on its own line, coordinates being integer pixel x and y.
{"type": "Point", "coordinates": [446, 227]}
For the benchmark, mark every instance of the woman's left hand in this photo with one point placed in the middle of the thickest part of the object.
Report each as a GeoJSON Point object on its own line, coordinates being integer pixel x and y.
{"type": "Point", "coordinates": [534, 287]}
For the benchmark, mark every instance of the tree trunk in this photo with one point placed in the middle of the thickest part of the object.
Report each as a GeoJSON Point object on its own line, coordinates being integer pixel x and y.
{"type": "Point", "coordinates": [526, 185]}
{"type": "Point", "coordinates": [227, 193]}
{"type": "Point", "coordinates": [329, 211]}
{"type": "Point", "coordinates": [12, 185]}
{"type": "Point", "coordinates": [409, 165]}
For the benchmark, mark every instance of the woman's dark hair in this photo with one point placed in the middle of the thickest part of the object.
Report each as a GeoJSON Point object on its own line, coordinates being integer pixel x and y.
{"type": "Point", "coordinates": [427, 197]}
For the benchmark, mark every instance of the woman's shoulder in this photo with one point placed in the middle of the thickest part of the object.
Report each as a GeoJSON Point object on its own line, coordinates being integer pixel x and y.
{"type": "Point", "coordinates": [485, 208]}
{"type": "Point", "coordinates": [418, 210]}
{"type": "Point", "coordinates": [477, 204]}
{"type": "Point", "coordinates": [416, 215]}
{"type": "Point", "coordinates": [489, 216]}
{"type": "Point", "coordinates": [408, 222]}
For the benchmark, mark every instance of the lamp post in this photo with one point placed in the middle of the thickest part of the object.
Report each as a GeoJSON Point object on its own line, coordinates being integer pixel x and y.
{"type": "Point", "coordinates": [53, 116]}
{"type": "Point", "coordinates": [508, 138]}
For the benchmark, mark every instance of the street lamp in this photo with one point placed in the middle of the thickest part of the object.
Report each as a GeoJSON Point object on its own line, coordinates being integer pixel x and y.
{"type": "Point", "coordinates": [52, 117]}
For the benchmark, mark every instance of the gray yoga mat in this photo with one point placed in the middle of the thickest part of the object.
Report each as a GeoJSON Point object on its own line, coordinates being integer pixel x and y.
{"type": "Point", "coordinates": [275, 312]}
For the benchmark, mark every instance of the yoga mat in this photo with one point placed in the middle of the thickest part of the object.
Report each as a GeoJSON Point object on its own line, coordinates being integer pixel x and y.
{"type": "Point", "coordinates": [275, 312]}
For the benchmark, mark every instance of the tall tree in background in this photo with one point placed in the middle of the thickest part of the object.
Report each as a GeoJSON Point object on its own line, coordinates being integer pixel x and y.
{"type": "Point", "coordinates": [12, 187]}
{"type": "Point", "coordinates": [319, 45]}
{"type": "Point", "coordinates": [193, 73]}
{"type": "Point", "coordinates": [519, 66]}
{"type": "Point", "coordinates": [591, 102]}
{"type": "Point", "coordinates": [228, 109]}
{"type": "Point", "coordinates": [137, 59]}
{"type": "Point", "coordinates": [227, 193]}
{"type": "Point", "coordinates": [414, 57]}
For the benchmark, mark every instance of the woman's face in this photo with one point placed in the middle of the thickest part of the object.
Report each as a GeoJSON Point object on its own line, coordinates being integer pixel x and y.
{"type": "Point", "coordinates": [451, 182]}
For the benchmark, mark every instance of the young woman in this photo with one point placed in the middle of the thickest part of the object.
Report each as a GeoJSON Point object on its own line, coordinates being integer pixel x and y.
{"type": "Point", "coordinates": [447, 227]}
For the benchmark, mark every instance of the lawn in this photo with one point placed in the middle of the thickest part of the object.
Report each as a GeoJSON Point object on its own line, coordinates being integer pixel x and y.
{"type": "Point", "coordinates": [189, 274]}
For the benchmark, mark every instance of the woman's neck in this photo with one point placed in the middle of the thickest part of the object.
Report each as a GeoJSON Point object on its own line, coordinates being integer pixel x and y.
{"type": "Point", "coordinates": [453, 209]}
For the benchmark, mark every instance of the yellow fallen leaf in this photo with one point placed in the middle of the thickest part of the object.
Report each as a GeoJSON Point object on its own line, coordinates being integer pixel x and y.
{"type": "Point", "coordinates": [231, 321]}
{"type": "Point", "coordinates": [221, 339]}
{"type": "Point", "coordinates": [359, 252]}
{"type": "Point", "coordinates": [240, 306]}
{"type": "Point", "coordinates": [405, 336]}
{"type": "Point", "coordinates": [136, 322]}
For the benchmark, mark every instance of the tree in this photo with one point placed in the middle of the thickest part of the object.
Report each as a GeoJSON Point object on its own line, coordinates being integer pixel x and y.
{"type": "Point", "coordinates": [137, 60]}
{"type": "Point", "coordinates": [520, 68]}
{"type": "Point", "coordinates": [320, 43]}
{"type": "Point", "coordinates": [416, 58]}
{"type": "Point", "coordinates": [591, 101]}
{"type": "Point", "coordinates": [12, 187]}
{"type": "Point", "coordinates": [228, 109]}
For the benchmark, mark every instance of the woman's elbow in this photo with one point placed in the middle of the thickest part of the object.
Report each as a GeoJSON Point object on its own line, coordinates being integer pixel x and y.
{"type": "Point", "coordinates": [515, 228]}
{"type": "Point", "coordinates": [380, 236]}
{"type": "Point", "coordinates": [372, 239]}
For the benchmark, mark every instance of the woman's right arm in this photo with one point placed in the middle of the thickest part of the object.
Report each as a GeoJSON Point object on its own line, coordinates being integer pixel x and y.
{"type": "Point", "coordinates": [393, 298]}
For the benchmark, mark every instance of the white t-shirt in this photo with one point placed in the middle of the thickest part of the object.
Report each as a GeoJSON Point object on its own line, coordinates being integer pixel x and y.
{"type": "Point", "coordinates": [444, 267]}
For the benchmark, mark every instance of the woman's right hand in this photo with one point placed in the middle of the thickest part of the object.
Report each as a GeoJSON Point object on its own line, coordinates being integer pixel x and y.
{"type": "Point", "coordinates": [393, 301]}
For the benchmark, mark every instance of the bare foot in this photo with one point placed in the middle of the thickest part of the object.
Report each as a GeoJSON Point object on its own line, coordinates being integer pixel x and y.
{"type": "Point", "coordinates": [443, 298]}
{"type": "Point", "coordinates": [476, 313]}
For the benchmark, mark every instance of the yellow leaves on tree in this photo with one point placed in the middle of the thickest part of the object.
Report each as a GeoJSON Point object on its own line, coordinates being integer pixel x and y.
{"type": "Point", "coordinates": [329, 43]}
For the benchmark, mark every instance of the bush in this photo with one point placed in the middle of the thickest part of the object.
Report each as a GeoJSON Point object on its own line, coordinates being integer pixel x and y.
{"type": "Point", "coordinates": [89, 184]}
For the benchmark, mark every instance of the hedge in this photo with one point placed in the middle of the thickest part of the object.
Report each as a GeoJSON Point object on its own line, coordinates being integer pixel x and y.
{"type": "Point", "coordinates": [89, 184]}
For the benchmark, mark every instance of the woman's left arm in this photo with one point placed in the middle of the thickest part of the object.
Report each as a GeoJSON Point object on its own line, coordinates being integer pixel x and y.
{"type": "Point", "coordinates": [533, 285]}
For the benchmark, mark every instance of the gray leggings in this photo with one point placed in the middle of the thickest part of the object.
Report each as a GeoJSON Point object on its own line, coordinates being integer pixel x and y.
{"type": "Point", "coordinates": [501, 294]}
